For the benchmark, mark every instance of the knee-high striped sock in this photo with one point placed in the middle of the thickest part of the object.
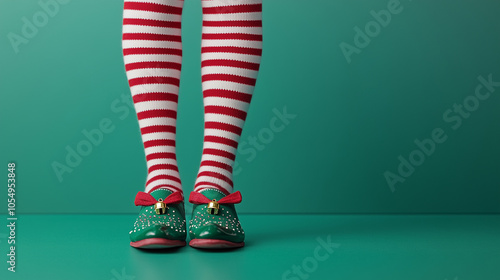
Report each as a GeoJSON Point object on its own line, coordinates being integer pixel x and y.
{"type": "Point", "coordinates": [231, 54]}
{"type": "Point", "coordinates": [152, 52]}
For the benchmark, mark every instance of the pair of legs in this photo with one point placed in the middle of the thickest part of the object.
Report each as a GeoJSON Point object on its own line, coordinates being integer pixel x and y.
{"type": "Point", "coordinates": [231, 53]}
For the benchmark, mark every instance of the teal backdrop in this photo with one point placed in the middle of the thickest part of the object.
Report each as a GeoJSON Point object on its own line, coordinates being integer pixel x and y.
{"type": "Point", "coordinates": [370, 106]}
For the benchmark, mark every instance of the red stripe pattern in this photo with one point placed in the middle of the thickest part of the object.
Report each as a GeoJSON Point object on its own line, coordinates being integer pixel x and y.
{"type": "Point", "coordinates": [152, 50]}
{"type": "Point", "coordinates": [231, 54]}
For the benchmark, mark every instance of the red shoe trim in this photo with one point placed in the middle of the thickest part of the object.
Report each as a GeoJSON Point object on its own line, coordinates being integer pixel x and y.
{"type": "Point", "coordinates": [214, 244]}
{"type": "Point", "coordinates": [157, 243]}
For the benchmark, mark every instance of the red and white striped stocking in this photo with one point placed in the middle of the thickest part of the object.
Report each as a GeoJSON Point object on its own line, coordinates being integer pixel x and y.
{"type": "Point", "coordinates": [231, 54]}
{"type": "Point", "coordinates": [152, 52]}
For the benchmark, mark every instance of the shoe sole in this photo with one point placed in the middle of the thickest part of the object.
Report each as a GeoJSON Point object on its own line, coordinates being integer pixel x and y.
{"type": "Point", "coordinates": [214, 244]}
{"type": "Point", "coordinates": [157, 243]}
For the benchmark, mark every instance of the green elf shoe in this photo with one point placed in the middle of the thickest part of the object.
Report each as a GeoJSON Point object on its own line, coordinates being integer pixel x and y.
{"type": "Point", "coordinates": [214, 223]}
{"type": "Point", "coordinates": [161, 222]}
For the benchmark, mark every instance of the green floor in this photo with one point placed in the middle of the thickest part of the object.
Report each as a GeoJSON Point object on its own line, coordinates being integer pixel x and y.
{"type": "Point", "coordinates": [380, 247]}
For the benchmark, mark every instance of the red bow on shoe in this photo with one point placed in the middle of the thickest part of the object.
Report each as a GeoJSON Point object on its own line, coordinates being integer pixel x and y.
{"type": "Point", "coordinates": [198, 198]}
{"type": "Point", "coordinates": [146, 199]}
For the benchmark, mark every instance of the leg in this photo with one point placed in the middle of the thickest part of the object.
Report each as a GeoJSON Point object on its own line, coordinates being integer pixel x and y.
{"type": "Point", "coordinates": [231, 54]}
{"type": "Point", "coordinates": [152, 50]}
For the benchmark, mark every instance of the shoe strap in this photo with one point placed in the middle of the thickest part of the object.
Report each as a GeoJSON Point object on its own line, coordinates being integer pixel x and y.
{"type": "Point", "coordinates": [198, 198]}
{"type": "Point", "coordinates": [146, 199]}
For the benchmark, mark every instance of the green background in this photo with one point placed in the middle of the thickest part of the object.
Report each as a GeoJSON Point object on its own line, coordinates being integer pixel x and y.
{"type": "Point", "coordinates": [352, 120]}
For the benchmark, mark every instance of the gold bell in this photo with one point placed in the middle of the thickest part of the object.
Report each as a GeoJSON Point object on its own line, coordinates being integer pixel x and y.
{"type": "Point", "coordinates": [213, 207]}
{"type": "Point", "coordinates": [160, 207]}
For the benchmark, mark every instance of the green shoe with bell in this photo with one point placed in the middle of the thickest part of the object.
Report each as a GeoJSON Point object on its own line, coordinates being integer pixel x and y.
{"type": "Point", "coordinates": [214, 223]}
{"type": "Point", "coordinates": [161, 222]}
